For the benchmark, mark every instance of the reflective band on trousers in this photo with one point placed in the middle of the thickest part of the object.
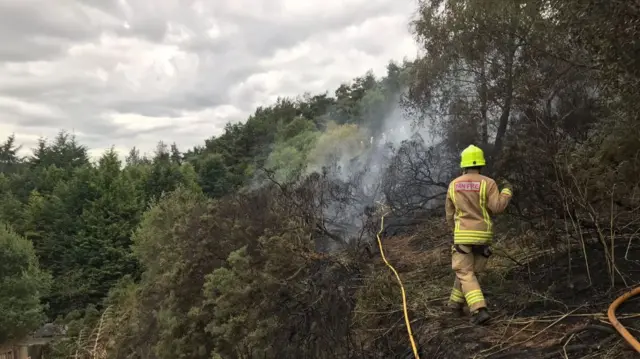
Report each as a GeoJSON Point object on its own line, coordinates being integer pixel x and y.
{"type": "Point", "coordinates": [474, 296]}
{"type": "Point", "coordinates": [456, 296]}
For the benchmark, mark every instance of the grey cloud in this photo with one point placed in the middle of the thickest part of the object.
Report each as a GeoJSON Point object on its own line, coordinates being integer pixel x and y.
{"type": "Point", "coordinates": [262, 37]}
{"type": "Point", "coordinates": [169, 107]}
{"type": "Point", "coordinates": [40, 33]}
{"type": "Point", "coordinates": [84, 122]}
{"type": "Point", "coordinates": [42, 29]}
{"type": "Point", "coordinates": [31, 120]}
{"type": "Point", "coordinates": [30, 48]}
{"type": "Point", "coordinates": [374, 47]}
{"type": "Point", "coordinates": [111, 7]}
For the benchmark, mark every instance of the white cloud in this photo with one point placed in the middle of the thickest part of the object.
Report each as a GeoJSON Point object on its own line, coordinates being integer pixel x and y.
{"type": "Point", "coordinates": [127, 73]}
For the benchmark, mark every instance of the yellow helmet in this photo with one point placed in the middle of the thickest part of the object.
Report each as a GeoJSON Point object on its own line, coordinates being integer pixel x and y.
{"type": "Point", "coordinates": [472, 156]}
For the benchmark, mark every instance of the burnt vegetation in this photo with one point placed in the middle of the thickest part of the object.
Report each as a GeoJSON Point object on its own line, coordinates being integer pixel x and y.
{"type": "Point", "coordinates": [262, 242]}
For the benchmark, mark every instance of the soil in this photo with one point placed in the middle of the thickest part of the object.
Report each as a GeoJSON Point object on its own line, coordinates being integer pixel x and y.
{"type": "Point", "coordinates": [535, 306]}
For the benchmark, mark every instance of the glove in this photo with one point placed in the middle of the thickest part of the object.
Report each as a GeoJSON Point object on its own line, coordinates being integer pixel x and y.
{"type": "Point", "coordinates": [506, 184]}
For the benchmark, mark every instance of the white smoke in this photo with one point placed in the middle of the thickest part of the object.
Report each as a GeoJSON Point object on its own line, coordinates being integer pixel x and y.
{"type": "Point", "coordinates": [366, 169]}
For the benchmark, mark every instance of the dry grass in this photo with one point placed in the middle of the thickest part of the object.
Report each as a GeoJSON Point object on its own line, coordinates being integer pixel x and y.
{"type": "Point", "coordinates": [529, 322]}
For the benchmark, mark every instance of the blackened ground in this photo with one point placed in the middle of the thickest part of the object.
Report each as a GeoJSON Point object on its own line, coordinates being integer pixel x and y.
{"type": "Point", "coordinates": [537, 308]}
{"type": "Point", "coordinates": [555, 285]}
{"type": "Point", "coordinates": [566, 286]}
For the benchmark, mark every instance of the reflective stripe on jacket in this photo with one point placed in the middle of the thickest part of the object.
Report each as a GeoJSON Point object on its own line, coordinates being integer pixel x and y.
{"type": "Point", "coordinates": [471, 200]}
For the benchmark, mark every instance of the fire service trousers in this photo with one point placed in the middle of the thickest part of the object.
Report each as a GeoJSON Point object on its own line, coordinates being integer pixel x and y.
{"type": "Point", "coordinates": [466, 261]}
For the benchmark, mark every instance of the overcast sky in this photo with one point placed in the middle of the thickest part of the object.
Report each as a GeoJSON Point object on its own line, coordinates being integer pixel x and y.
{"type": "Point", "coordinates": [133, 72]}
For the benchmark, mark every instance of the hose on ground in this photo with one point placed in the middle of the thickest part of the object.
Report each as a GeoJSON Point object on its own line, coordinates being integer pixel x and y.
{"type": "Point", "coordinates": [414, 347]}
{"type": "Point", "coordinates": [616, 324]}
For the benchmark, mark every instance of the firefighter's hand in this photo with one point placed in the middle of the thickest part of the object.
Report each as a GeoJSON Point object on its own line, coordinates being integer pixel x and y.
{"type": "Point", "coordinates": [506, 184]}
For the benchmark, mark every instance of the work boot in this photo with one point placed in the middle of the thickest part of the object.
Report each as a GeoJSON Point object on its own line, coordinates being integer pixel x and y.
{"type": "Point", "coordinates": [480, 316]}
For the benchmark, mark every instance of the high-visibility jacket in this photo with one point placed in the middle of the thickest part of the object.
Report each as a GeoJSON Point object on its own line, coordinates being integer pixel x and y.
{"type": "Point", "coordinates": [471, 200]}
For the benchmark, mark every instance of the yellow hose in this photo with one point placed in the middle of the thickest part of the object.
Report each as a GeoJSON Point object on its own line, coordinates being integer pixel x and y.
{"type": "Point", "coordinates": [616, 324]}
{"type": "Point", "coordinates": [404, 296]}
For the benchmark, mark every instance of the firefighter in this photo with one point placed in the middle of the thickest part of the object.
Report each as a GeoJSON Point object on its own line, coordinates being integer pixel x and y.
{"type": "Point", "coordinates": [471, 200]}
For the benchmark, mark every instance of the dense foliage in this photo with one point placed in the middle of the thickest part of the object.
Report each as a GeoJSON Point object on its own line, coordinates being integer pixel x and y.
{"type": "Point", "coordinates": [258, 244]}
{"type": "Point", "coordinates": [21, 285]}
